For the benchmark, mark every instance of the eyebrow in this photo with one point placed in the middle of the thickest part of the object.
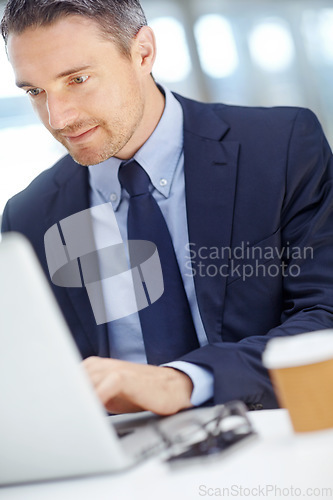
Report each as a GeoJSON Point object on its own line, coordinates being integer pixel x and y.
{"type": "Point", "coordinates": [63, 74]}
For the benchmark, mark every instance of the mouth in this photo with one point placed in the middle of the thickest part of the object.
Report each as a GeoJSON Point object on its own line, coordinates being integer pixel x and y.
{"type": "Point", "coordinates": [82, 137]}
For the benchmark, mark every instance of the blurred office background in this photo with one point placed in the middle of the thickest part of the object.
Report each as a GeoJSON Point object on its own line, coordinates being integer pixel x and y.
{"type": "Point", "coordinates": [248, 52]}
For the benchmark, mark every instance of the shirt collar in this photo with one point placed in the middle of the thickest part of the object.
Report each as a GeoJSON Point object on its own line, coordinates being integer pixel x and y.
{"type": "Point", "coordinates": [159, 156]}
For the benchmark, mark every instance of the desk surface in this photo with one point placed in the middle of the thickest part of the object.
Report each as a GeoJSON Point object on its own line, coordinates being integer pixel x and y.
{"type": "Point", "coordinates": [278, 464]}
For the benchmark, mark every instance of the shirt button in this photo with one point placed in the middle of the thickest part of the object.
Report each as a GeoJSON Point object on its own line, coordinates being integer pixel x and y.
{"type": "Point", "coordinates": [113, 197]}
{"type": "Point", "coordinates": [163, 182]}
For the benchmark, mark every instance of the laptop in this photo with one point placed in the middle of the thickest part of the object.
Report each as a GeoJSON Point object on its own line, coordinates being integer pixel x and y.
{"type": "Point", "coordinates": [52, 424]}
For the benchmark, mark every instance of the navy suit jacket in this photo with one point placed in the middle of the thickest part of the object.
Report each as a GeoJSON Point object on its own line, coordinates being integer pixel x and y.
{"type": "Point", "coordinates": [258, 182]}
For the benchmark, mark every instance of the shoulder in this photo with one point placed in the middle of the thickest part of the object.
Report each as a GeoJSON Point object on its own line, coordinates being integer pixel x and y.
{"type": "Point", "coordinates": [251, 119]}
{"type": "Point", "coordinates": [48, 181]}
{"type": "Point", "coordinates": [53, 177]}
{"type": "Point", "coordinates": [250, 112]}
{"type": "Point", "coordinates": [28, 203]}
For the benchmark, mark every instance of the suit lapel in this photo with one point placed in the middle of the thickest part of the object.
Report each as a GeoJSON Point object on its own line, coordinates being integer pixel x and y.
{"type": "Point", "coordinates": [71, 196]}
{"type": "Point", "coordinates": [210, 180]}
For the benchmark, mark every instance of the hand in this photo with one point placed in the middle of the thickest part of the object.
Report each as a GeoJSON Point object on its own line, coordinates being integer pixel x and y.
{"type": "Point", "coordinates": [125, 387]}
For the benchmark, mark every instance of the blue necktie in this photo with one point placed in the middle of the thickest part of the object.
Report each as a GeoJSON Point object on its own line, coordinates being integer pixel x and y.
{"type": "Point", "coordinates": [167, 325]}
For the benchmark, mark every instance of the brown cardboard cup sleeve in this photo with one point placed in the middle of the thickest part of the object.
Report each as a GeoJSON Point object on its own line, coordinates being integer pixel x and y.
{"type": "Point", "coordinates": [301, 370]}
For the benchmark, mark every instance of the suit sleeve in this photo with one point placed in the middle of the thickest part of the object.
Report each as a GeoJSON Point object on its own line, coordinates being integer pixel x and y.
{"type": "Point", "coordinates": [306, 221]}
{"type": "Point", "coordinates": [5, 226]}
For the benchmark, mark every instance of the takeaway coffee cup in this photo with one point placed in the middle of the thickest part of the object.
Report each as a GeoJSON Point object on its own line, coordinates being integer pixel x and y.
{"type": "Point", "coordinates": [301, 370]}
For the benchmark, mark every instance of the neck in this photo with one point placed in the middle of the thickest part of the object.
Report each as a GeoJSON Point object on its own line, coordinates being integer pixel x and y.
{"type": "Point", "coordinates": [154, 107]}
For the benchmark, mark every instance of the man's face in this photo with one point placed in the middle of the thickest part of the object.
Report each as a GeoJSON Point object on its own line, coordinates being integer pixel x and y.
{"type": "Point", "coordinates": [87, 94]}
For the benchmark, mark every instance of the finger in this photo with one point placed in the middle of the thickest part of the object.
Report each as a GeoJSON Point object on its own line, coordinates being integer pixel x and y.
{"type": "Point", "coordinates": [108, 387]}
{"type": "Point", "coordinates": [97, 365]}
{"type": "Point", "coordinates": [91, 361]}
{"type": "Point", "coordinates": [95, 379]}
{"type": "Point", "coordinates": [120, 405]}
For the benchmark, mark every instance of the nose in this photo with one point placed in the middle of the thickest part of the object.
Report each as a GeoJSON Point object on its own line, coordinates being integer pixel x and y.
{"type": "Point", "coordinates": [61, 112]}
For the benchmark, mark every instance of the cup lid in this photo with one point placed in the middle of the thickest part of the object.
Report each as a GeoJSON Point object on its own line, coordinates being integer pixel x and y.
{"type": "Point", "coordinates": [298, 350]}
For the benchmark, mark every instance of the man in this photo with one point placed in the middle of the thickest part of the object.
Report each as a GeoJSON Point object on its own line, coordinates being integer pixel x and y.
{"type": "Point", "coordinates": [246, 195]}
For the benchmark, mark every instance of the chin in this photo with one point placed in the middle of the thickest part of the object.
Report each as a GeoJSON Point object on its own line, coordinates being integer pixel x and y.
{"type": "Point", "coordinates": [86, 159]}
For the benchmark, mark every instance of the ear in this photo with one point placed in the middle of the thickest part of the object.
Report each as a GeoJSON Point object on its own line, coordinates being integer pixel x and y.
{"type": "Point", "coordinates": [144, 49]}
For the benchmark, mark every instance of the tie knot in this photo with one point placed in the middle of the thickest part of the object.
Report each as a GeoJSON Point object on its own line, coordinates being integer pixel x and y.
{"type": "Point", "coordinates": [133, 178]}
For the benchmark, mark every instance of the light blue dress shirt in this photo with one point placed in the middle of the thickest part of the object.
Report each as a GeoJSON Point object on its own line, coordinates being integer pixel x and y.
{"type": "Point", "coordinates": [163, 159]}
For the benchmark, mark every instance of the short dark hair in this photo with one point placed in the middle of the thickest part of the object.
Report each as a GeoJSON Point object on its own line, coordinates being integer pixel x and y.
{"type": "Point", "coordinates": [120, 20]}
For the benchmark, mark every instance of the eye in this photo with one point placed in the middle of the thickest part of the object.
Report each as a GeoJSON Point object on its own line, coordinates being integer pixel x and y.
{"type": "Point", "coordinates": [80, 79]}
{"type": "Point", "coordinates": [34, 92]}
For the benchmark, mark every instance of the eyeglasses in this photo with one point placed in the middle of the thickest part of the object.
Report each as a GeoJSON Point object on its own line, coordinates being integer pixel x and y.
{"type": "Point", "coordinates": [194, 436]}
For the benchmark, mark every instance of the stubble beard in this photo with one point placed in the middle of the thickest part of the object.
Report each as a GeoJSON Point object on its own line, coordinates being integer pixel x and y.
{"type": "Point", "coordinates": [86, 155]}
{"type": "Point", "coordinates": [113, 142]}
